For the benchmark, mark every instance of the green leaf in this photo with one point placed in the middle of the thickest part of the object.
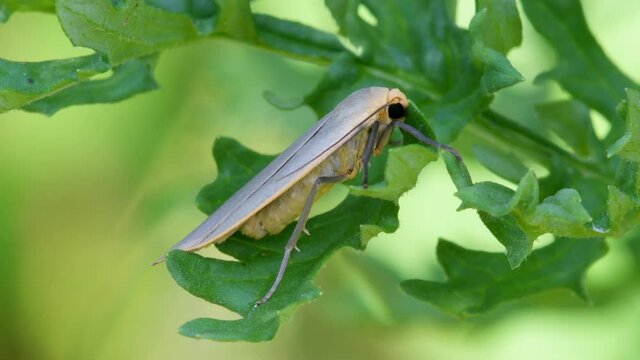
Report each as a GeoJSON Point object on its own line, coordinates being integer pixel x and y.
{"type": "Point", "coordinates": [563, 214]}
{"type": "Point", "coordinates": [622, 211]}
{"type": "Point", "coordinates": [509, 233]}
{"type": "Point", "coordinates": [499, 200]}
{"type": "Point", "coordinates": [8, 7]}
{"type": "Point", "coordinates": [507, 166]}
{"type": "Point", "coordinates": [236, 285]}
{"type": "Point", "coordinates": [479, 281]}
{"type": "Point", "coordinates": [526, 197]}
{"type": "Point", "coordinates": [507, 213]}
{"type": "Point", "coordinates": [628, 147]}
{"type": "Point", "coordinates": [457, 171]}
{"type": "Point", "coordinates": [516, 219]}
{"type": "Point", "coordinates": [400, 175]}
{"type": "Point", "coordinates": [134, 29]}
{"type": "Point", "coordinates": [234, 330]}
{"type": "Point", "coordinates": [24, 82]}
{"type": "Point", "coordinates": [487, 196]}
{"type": "Point", "coordinates": [131, 78]}
{"type": "Point", "coordinates": [582, 69]}
{"type": "Point", "coordinates": [498, 71]}
{"type": "Point", "coordinates": [501, 30]}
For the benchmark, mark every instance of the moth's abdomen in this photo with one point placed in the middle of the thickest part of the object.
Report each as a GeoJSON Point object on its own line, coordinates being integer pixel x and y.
{"type": "Point", "coordinates": [274, 217]}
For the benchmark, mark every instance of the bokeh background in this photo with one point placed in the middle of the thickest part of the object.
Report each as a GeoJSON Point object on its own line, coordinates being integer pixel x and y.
{"type": "Point", "coordinates": [90, 196]}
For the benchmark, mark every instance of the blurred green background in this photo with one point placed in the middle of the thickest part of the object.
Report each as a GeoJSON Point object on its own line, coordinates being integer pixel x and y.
{"type": "Point", "coordinates": [90, 196]}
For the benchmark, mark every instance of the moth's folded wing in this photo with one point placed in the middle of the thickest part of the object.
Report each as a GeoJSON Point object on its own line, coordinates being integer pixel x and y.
{"type": "Point", "coordinates": [318, 143]}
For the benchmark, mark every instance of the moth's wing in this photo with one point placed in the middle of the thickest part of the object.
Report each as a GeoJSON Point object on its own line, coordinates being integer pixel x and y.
{"type": "Point", "coordinates": [328, 134]}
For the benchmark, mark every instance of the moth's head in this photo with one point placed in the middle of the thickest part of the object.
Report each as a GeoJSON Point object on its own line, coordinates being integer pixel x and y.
{"type": "Point", "coordinates": [396, 109]}
{"type": "Point", "coordinates": [398, 104]}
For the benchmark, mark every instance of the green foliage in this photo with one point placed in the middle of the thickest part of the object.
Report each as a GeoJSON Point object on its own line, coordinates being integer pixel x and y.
{"type": "Point", "coordinates": [134, 28]}
{"type": "Point", "coordinates": [27, 82]}
{"type": "Point", "coordinates": [449, 73]}
{"type": "Point", "coordinates": [130, 78]}
{"type": "Point", "coordinates": [501, 27]}
{"type": "Point", "coordinates": [479, 281]}
{"type": "Point", "coordinates": [580, 57]}
{"type": "Point", "coordinates": [628, 147]}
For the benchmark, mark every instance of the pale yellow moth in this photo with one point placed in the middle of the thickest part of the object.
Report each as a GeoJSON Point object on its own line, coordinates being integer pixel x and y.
{"type": "Point", "coordinates": [333, 150]}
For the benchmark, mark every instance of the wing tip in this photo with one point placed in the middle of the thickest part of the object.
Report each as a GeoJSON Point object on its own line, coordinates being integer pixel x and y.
{"type": "Point", "coordinates": [159, 260]}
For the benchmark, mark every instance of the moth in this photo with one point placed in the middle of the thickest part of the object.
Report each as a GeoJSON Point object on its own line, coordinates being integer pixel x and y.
{"type": "Point", "coordinates": [335, 149]}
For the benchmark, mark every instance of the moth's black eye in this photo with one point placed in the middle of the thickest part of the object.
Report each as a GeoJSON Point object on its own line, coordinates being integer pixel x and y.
{"type": "Point", "coordinates": [396, 111]}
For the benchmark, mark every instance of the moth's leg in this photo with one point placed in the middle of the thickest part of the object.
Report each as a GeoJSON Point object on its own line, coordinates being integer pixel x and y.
{"type": "Point", "coordinates": [368, 150]}
{"type": "Point", "coordinates": [420, 136]}
{"type": "Point", "coordinates": [293, 239]}
{"type": "Point", "coordinates": [386, 130]}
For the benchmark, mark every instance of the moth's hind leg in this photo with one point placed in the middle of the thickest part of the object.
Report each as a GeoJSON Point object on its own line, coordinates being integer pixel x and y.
{"type": "Point", "coordinates": [293, 239]}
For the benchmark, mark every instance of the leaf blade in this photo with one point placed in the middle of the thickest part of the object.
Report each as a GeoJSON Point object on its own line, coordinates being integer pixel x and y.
{"type": "Point", "coordinates": [564, 26]}
{"type": "Point", "coordinates": [479, 281]}
{"type": "Point", "coordinates": [25, 82]}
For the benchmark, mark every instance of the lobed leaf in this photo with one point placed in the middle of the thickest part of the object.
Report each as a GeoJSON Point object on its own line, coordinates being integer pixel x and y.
{"type": "Point", "coordinates": [487, 196]}
{"type": "Point", "coordinates": [622, 210]}
{"type": "Point", "coordinates": [628, 146]}
{"type": "Point", "coordinates": [517, 242]}
{"type": "Point", "coordinates": [124, 30]}
{"type": "Point", "coordinates": [517, 219]}
{"type": "Point", "coordinates": [502, 28]}
{"type": "Point", "coordinates": [498, 71]}
{"type": "Point", "coordinates": [563, 214]}
{"type": "Point", "coordinates": [478, 281]}
{"type": "Point", "coordinates": [25, 82]}
{"type": "Point", "coordinates": [131, 78]}
{"type": "Point", "coordinates": [583, 69]}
